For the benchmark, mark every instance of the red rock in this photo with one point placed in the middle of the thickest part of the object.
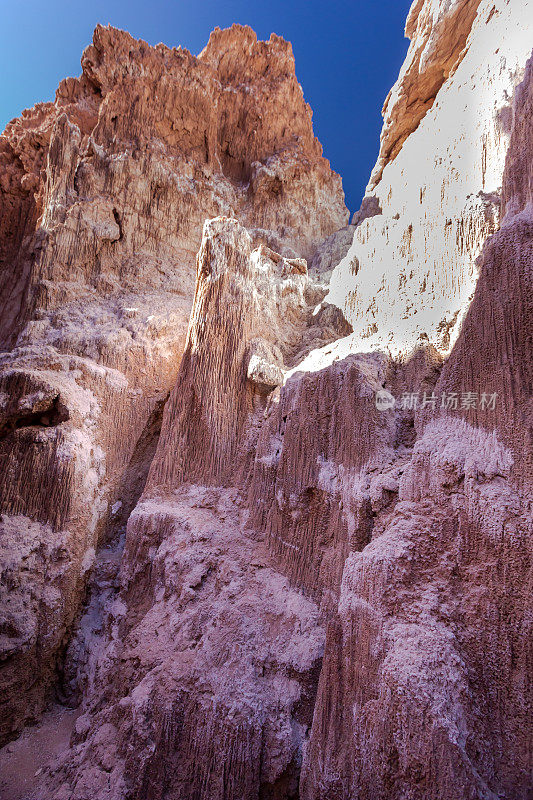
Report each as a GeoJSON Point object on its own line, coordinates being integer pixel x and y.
{"type": "Point", "coordinates": [103, 197]}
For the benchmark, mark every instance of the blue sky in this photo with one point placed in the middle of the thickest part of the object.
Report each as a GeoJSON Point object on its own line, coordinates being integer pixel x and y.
{"type": "Point", "coordinates": [348, 55]}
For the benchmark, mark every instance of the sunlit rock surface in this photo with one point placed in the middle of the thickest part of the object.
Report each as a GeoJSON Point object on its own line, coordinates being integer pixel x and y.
{"type": "Point", "coordinates": [411, 272]}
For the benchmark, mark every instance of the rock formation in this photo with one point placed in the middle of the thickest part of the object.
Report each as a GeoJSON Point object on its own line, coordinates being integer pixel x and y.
{"type": "Point", "coordinates": [104, 196]}
{"type": "Point", "coordinates": [411, 271]}
{"type": "Point", "coordinates": [302, 588]}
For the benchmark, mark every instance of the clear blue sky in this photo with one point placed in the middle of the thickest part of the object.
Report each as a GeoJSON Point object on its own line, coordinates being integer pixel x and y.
{"type": "Point", "coordinates": [348, 54]}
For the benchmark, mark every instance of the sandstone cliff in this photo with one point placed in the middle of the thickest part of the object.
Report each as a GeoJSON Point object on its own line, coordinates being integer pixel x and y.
{"type": "Point", "coordinates": [318, 595]}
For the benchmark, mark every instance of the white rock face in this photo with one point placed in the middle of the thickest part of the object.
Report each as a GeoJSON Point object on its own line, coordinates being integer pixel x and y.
{"type": "Point", "coordinates": [410, 273]}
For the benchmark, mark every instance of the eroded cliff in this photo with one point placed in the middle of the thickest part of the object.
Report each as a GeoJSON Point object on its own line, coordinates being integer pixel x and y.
{"type": "Point", "coordinates": [411, 271]}
{"type": "Point", "coordinates": [104, 196]}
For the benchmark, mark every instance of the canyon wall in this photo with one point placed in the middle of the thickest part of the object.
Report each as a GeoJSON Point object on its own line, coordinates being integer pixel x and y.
{"type": "Point", "coordinates": [411, 271]}
{"type": "Point", "coordinates": [321, 593]}
{"type": "Point", "coordinates": [103, 198]}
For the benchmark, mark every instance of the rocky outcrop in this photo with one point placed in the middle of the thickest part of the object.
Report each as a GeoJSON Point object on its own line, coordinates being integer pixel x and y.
{"type": "Point", "coordinates": [426, 680]}
{"type": "Point", "coordinates": [103, 198]}
{"type": "Point", "coordinates": [438, 34]}
{"type": "Point", "coordinates": [136, 171]}
{"type": "Point", "coordinates": [495, 340]}
{"type": "Point", "coordinates": [411, 683]}
{"type": "Point", "coordinates": [334, 249]}
{"type": "Point", "coordinates": [219, 613]}
{"type": "Point", "coordinates": [411, 272]}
